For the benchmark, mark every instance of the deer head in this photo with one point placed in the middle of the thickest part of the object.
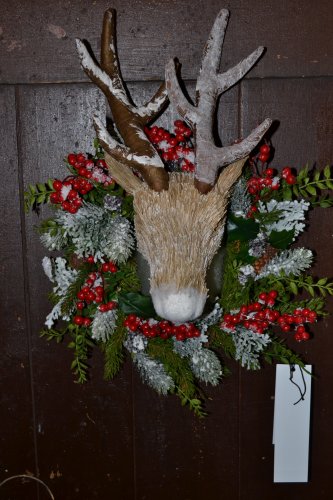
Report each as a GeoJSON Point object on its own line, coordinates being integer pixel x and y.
{"type": "Point", "coordinates": [179, 218]}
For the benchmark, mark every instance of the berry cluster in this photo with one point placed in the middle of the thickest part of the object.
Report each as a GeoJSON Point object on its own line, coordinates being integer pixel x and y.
{"type": "Point", "coordinates": [92, 291]}
{"type": "Point", "coordinates": [260, 315]}
{"type": "Point", "coordinates": [175, 149]}
{"type": "Point", "coordinates": [90, 168]}
{"type": "Point", "coordinates": [288, 176]}
{"type": "Point", "coordinates": [69, 193]}
{"type": "Point", "coordinates": [163, 329]}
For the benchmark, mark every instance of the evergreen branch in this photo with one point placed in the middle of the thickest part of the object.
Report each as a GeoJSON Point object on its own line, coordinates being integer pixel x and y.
{"type": "Point", "coordinates": [278, 351]}
{"type": "Point", "coordinates": [52, 334]}
{"type": "Point", "coordinates": [81, 344]}
{"type": "Point", "coordinates": [73, 289]}
{"type": "Point", "coordinates": [316, 304]}
{"type": "Point", "coordinates": [233, 294]}
{"type": "Point", "coordinates": [113, 350]}
{"type": "Point", "coordinates": [218, 339]}
{"type": "Point", "coordinates": [178, 368]}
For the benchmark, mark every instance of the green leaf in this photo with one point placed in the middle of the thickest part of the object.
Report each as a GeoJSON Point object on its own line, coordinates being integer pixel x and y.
{"type": "Point", "coordinates": [136, 303]}
{"type": "Point", "coordinates": [281, 239]}
{"type": "Point", "coordinates": [50, 183]}
{"type": "Point", "coordinates": [327, 172]}
{"type": "Point", "coordinates": [245, 230]}
{"type": "Point", "coordinates": [312, 190]}
{"type": "Point", "coordinates": [293, 287]}
{"type": "Point", "coordinates": [287, 193]}
{"type": "Point", "coordinates": [41, 187]}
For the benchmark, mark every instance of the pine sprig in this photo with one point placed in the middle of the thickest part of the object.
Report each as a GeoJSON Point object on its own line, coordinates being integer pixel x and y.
{"type": "Point", "coordinates": [71, 295]}
{"type": "Point", "coordinates": [81, 345]}
{"type": "Point", "coordinates": [179, 369]}
{"type": "Point", "coordinates": [316, 304]}
{"type": "Point", "coordinates": [279, 352]}
{"type": "Point", "coordinates": [52, 334]}
{"type": "Point", "coordinates": [218, 339]}
{"type": "Point", "coordinates": [113, 350]}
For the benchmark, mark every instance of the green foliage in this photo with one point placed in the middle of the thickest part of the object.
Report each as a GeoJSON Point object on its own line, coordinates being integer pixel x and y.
{"type": "Point", "coordinates": [52, 334]}
{"type": "Point", "coordinates": [70, 297]}
{"type": "Point", "coordinates": [81, 345]}
{"type": "Point", "coordinates": [245, 230]}
{"type": "Point", "coordinates": [297, 284]}
{"type": "Point", "coordinates": [233, 294]}
{"type": "Point", "coordinates": [113, 350]}
{"type": "Point", "coordinates": [125, 279]}
{"type": "Point", "coordinates": [218, 339]}
{"type": "Point", "coordinates": [37, 195]}
{"type": "Point", "coordinates": [281, 239]}
{"type": "Point", "coordinates": [178, 368]}
{"type": "Point", "coordinates": [311, 184]}
{"type": "Point", "coordinates": [136, 303]}
{"type": "Point", "coordinates": [316, 304]}
{"type": "Point", "coordinates": [279, 352]}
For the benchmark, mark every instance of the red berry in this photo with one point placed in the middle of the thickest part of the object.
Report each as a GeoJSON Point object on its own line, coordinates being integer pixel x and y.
{"type": "Point", "coordinates": [285, 328]}
{"type": "Point", "coordinates": [291, 179]}
{"type": "Point", "coordinates": [264, 149]}
{"type": "Point", "coordinates": [263, 296]}
{"type": "Point", "coordinates": [57, 185]}
{"type": "Point", "coordinates": [112, 268]}
{"type": "Point", "coordinates": [86, 322]}
{"type": "Point", "coordinates": [80, 305]}
{"type": "Point", "coordinates": [78, 320]}
{"type": "Point", "coordinates": [104, 308]}
{"type": "Point", "coordinates": [81, 295]}
{"type": "Point", "coordinates": [72, 195]}
{"type": "Point", "coordinates": [263, 158]}
{"type": "Point", "coordinates": [300, 329]}
{"type": "Point", "coordinates": [72, 209]}
{"type": "Point", "coordinates": [54, 198]}
{"type": "Point", "coordinates": [105, 267]}
{"type": "Point", "coordinates": [269, 172]}
{"type": "Point", "coordinates": [286, 171]}
{"type": "Point", "coordinates": [305, 336]}
{"type": "Point", "coordinates": [71, 159]}
{"type": "Point", "coordinates": [90, 259]}
{"type": "Point", "coordinates": [66, 205]}
{"type": "Point", "coordinates": [298, 337]}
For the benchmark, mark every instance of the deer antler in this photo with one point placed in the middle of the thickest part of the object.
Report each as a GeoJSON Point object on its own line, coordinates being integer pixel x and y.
{"type": "Point", "coordinates": [210, 84]}
{"type": "Point", "coordinates": [137, 152]}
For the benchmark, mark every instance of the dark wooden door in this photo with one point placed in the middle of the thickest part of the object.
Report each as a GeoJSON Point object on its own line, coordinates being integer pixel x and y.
{"type": "Point", "coordinates": [120, 440]}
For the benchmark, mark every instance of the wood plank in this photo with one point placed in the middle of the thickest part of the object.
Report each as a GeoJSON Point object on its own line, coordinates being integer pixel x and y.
{"type": "Point", "coordinates": [182, 456]}
{"type": "Point", "coordinates": [38, 38]}
{"type": "Point", "coordinates": [84, 431]}
{"type": "Point", "coordinates": [16, 410]}
{"type": "Point", "coordinates": [304, 109]}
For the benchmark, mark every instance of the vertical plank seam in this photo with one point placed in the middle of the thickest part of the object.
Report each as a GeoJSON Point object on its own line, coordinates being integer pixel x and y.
{"type": "Point", "coordinates": [240, 134]}
{"type": "Point", "coordinates": [27, 305]}
{"type": "Point", "coordinates": [133, 437]}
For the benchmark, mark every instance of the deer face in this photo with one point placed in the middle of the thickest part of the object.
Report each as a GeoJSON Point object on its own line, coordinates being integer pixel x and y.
{"type": "Point", "coordinates": [179, 219]}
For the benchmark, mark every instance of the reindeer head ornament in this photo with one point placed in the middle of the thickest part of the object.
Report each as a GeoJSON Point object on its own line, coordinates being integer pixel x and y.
{"type": "Point", "coordinates": [179, 218]}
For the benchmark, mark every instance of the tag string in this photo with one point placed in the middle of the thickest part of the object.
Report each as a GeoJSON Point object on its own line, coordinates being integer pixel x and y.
{"type": "Point", "coordinates": [302, 393]}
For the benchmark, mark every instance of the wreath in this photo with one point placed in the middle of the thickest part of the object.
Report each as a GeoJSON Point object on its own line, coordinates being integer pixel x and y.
{"type": "Point", "coordinates": [175, 197]}
{"type": "Point", "coordinates": [97, 291]}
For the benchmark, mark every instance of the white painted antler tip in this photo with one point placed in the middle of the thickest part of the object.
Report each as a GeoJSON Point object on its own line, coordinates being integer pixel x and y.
{"type": "Point", "coordinates": [80, 47]}
{"type": "Point", "coordinates": [223, 13]}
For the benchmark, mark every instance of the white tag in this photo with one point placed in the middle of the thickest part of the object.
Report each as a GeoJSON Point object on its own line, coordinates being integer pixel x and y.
{"type": "Point", "coordinates": [291, 425]}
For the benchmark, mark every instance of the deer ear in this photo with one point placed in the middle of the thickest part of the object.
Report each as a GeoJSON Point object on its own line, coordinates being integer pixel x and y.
{"type": "Point", "coordinates": [229, 176]}
{"type": "Point", "coordinates": [123, 175]}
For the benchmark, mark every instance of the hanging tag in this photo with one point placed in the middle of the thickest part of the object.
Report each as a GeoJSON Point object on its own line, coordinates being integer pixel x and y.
{"type": "Point", "coordinates": [291, 425]}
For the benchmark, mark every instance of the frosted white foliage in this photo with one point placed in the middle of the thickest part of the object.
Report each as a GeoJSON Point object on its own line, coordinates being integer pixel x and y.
{"type": "Point", "coordinates": [240, 199]}
{"type": "Point", "coordinates": [248, 346]}
{"type": "Point", "coordinates": [55, 241]}
{"type": "Point", "coordinates": [246, 272]}
{"type": "Point", "coordinates": [96, 231]}
{"type": "Point", "coordinates": [289, 261]}
{"type": "Point", "coordinates": [188, 347]}
{"type": "Point", "coordinates": [292, 213]}
{"type": "Point", "coordinates": [257, 246]}
{"type": "Point", "coordinates": [135, 343]}
{"type": "Point", "coordinates": [103, 324]}
{"type": "Point", "coordinates": [210, 319]}
{"type": "Point", "coordinates": [206, 366]}
{"type": "Point", "coordinates": [153, 373]}
{"type": "Point", "coordinates": [59, 273]}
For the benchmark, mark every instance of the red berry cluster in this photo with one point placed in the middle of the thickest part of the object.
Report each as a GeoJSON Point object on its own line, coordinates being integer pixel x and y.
{"type": "Point", "coordinates": [92, 291]}
{"type": "Point", "coordinates": [174, 147]}
{"type": "Point", "coordinates": [90, 168]}
{"type": "Point", "coordinates": [69, 193]}
{"type": "Point", "coordinates": [259, 316]}
{"type": "Point", "coordinates": [163, 329]}
{"type": "Point", "coordinates": [288, 176]}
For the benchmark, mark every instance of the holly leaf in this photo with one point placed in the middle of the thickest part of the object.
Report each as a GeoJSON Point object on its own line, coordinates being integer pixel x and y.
{"type": "Point", "coordinates": [244, 230]}
{"type": "Point", "coordinates": [281, 239]}
{"type": "Point", "coordinates": [136, 303]}
{"type": "Point", "coordinates": [243, 254]}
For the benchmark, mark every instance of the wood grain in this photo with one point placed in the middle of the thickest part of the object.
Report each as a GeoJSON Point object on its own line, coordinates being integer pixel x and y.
{"type": "Point", "coordinates": [38, 37]}
{"type": "Point", "coordinates": [16, 409]}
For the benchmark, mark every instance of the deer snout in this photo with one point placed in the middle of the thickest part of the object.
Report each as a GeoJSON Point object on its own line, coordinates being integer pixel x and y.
{"type": "Point", "coordinates": [178, 306]}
